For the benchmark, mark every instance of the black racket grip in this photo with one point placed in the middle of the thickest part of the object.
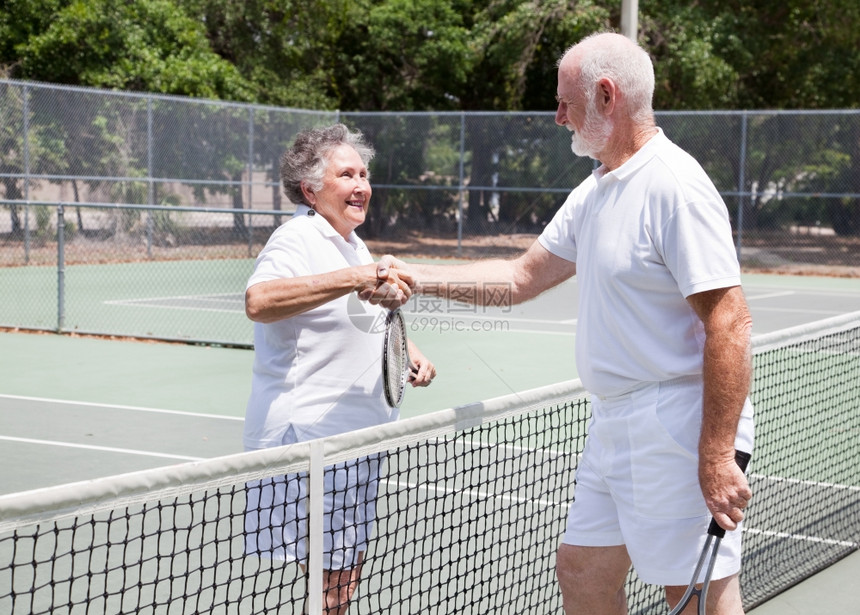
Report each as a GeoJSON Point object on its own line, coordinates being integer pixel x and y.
{"type": "Point", "coordinates": [742, 459]}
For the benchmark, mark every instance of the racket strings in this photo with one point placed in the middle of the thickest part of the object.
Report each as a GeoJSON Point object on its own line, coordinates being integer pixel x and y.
{"type": "Point", "coordinates": [396, 359]}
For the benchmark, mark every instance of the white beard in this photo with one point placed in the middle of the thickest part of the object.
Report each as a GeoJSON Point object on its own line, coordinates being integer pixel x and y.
{"type": "Point", "coordinates": [593, 137]}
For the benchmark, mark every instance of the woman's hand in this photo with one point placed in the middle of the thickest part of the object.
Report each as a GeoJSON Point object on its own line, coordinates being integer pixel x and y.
{"type": "Point", "coordinates": [426, 371]}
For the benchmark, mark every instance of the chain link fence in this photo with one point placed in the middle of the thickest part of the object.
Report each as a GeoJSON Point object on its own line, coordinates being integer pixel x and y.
{"type": "Point", "coordinates": [137, 215]}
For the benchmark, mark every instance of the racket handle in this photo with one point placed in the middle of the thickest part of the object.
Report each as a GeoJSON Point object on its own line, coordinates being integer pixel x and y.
{"type": "Point", "coordinates": [742, 459]}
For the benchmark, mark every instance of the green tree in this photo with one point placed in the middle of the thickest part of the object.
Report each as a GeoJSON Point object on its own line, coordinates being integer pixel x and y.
{"type": "Point", "coordinates": [769, 54]}
{"type": "Point", "coordinates": [695, 55]}
{"type": "Point", "coordinates": [285, 48]}
{"type": "Point", "coordinates": [11, 150]}
{"type": "Point", "coordinates": [517, 45]}
{"type": "Point", "coordinates": [433, 54]}
{"type": "Point", "coordinates": [804, 55]}
{"type": "Point", "coordinates": [20, 20]}
{"type": "Point", "coordinates": [43, 151]}
{"type": "Point", "coordinates": [146, 45]}
{"type": "Point", "coordinates": [403, 54]}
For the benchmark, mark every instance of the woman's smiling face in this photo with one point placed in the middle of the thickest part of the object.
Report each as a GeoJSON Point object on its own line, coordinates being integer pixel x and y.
{"type": "Point", "coordinates": [345, 193]}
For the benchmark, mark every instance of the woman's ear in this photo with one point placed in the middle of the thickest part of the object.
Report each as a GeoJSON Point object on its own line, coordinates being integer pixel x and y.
{"type": "Point", "coordinates": [309, 193]}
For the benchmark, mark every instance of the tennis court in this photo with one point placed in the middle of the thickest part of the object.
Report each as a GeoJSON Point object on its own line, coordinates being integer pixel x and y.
{"type": "Point", "coordinates": [80, 408]}
{"type": "Point", "coordinates": [481, 352]}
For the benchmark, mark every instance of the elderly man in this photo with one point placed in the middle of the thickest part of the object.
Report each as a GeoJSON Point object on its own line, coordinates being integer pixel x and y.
{"type": "Point", "coordinates": [663, 341]}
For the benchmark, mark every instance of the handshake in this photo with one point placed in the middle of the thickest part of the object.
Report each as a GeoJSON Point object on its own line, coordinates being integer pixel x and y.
{"type": "Point", "coordinates": [393, 284]}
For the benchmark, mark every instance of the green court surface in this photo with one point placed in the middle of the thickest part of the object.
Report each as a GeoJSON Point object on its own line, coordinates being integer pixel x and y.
{"type": "Point", "coordinates": [480, 353]}
{"type": "Point", "coordinates": [183, 300]}
{"type": "Point", "coordinates": [199, 379]}
{"type": "Point", "coordinates": [202, 300]}
{"type": "Point", "coordinates": [79, 407]}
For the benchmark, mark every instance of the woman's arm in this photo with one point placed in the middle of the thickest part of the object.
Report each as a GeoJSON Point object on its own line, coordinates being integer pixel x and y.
{"type": "Point", "coordinates": [275, 300]}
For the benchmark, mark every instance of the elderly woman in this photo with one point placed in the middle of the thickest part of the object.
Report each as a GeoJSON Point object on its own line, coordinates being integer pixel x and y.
{"type": "Point", "coordinates": [318, 343]}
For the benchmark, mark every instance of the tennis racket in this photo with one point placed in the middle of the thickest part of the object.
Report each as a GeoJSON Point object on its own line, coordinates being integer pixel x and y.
{"type": "Point", "coordinates": [708, 557]}
{"type": "Point", "coordinates": [396, 365]}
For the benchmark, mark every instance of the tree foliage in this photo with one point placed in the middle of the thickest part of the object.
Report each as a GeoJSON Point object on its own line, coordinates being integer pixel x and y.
{"type": "Point", "coordinates": [433, 54]}
{"type": "Point", "coordinates": [403, 54]}
{"type": "Point", "coordinates": [283, 48]}
{"type": "Point", "coordinates": [783, 54]}
{"type": "Point", "coordinates": [439, 55]}
{"type": "Point", "coordinates": [146, 45]}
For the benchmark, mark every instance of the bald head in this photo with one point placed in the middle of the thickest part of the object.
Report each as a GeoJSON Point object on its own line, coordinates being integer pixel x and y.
{"type": "Point", "coordinates": [615, 57]}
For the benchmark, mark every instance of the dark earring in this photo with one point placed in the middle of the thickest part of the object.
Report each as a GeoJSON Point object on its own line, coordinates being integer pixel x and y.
{"type": "Point", "coordinates": [312, 212]}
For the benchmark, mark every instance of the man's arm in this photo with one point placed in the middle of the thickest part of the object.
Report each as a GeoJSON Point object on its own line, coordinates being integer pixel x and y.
{"type": "Point", "coordinates": [727, 374]}
{"type": "Point", "coordinates": [486, 282]}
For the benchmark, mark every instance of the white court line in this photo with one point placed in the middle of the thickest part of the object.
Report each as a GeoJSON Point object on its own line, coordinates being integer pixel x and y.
{"type": "Point", "coordinates": [800, 290]}
{"type": "Point", "coordinates": [482, 495]}
{"type": "Point", "coordinates": [237, 296]}
{"type": "Point", "coordinates": [108, 449]}
{"type": "Point", "coordinates": [152, 302]}
{"type": "Point", "coordinates": [788, 310]}
{"type": "Point", "coordinates": [478, 494]}
{"type": "Point", "coordinates": [195, 308]}
{"type": "Point", "coordinates": [801, 537]}
{"type": "Point", "coordinates": [121, 407]}
{"type": "Point", "coordinates": [488, 317]}
{"type": "Point", "coordinates": [799, 310]}
{"type": "Point", "coordinates": [808, 483]}
{"type": "Point", "coordinates": [535, 332]}
{"type": "Point", "coordinates": [552, 503]}
{"type": "Point", "coordinates": [477, 444]}
{"type": "Point", "coordinates": [771, 295]}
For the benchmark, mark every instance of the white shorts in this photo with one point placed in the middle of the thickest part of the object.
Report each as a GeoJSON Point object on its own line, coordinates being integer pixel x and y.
{"type": "Point", "coordinates": [276, 517]}
{"type": "Point", "coordinates": [637, 483]}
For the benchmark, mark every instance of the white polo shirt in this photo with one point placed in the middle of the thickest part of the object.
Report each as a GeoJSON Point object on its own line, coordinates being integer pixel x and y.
{"type": "Point", "coordinates": [319, 372]}
{"type": "Point", "coordinates": [644, 237]}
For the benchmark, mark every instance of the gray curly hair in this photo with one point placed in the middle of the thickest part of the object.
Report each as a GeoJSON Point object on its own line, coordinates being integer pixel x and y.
{"type": "Point", "coordinates": [307, 159]}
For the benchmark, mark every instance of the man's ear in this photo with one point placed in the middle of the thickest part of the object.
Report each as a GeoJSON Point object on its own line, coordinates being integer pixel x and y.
{"type": "Point", "coordinates": [606, 95]}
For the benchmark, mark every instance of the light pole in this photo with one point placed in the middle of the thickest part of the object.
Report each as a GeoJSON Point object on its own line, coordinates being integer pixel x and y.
{"type": "Point", "coordinates": [630, 19]}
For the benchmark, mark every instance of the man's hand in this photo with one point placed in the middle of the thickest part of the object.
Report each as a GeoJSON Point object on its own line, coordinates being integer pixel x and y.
{"type": "Point", "coordinates": [390, 266]}
{"type": "Point", "coordinates": [393, 286]}
{"type": "Point", "coordinates": [726, 490]}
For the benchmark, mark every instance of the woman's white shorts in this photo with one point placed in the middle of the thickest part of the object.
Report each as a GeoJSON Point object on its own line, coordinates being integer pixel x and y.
{"type": "Point", "coordinates": [276, 517]}
{"type": "Point", "coordinates": [637, 482]}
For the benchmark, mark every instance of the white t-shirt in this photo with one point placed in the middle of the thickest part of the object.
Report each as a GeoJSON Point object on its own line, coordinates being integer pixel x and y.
{"type": "Point", "coordinates": [319, 372]}
{"type": "Point", "coordinates": [644, 237]}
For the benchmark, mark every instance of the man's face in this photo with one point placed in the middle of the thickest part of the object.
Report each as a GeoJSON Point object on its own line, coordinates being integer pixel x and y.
{"type": "Point", "coordinates": [578, 111]}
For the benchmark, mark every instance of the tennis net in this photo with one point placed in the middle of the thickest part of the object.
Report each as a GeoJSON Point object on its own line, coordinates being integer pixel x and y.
{"type": "Point", "coordinates": [471, 504]}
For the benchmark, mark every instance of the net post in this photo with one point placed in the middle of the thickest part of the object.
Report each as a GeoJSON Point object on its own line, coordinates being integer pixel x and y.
{"type": "Point", "coordinates": [315, 528]}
